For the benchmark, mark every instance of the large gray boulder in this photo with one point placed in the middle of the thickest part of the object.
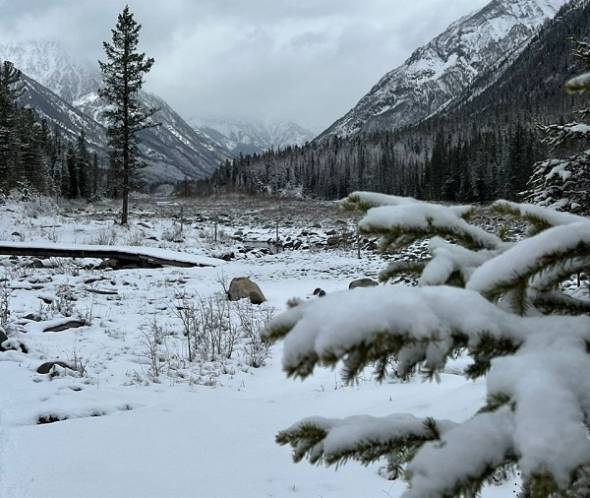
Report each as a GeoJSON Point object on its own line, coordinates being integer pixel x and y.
{"type": "Point", "coordinates": [363, 282]}
{"type": "Point", "coordinates": [242, 288]}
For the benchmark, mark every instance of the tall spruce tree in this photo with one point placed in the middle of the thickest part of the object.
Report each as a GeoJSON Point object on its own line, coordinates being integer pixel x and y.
{"type": "Point", "coordinates": [10, 88]}
{"type": "Point", "coordinates": [123, 73]}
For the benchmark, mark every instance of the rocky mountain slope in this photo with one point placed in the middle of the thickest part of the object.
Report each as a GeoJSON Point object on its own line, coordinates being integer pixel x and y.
{"type": "Point", "coordinates": [249, 137]}
{"type": "Point", "coordinates": [64, 93]}
{"type": "Point", "coordinates": [437, 74]}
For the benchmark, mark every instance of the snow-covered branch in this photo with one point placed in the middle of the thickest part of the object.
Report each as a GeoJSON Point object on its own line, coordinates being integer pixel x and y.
{"type": "Point", "coordinates": [556, 134]}
{"type": "Point", "coordinates": [363, 201]}
{"type": "Point", "coordinates": [552, 250]}
{"type": "Point", "coordinates": [362, 438]}
{"type": "Point", "coordinates": [537, 367]}
{"type": "Point", "coordinates": [539, 217]}
{"type": "Point", "coordinates": [579, 84]}
{"type": "Point", "coordinates": [422, 220]}
{"type": "Point", "coordinates": [411, 325]}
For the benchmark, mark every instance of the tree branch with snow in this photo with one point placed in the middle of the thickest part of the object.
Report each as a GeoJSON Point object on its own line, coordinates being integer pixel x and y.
{"type": "Point", "coordinates": [537, 367]}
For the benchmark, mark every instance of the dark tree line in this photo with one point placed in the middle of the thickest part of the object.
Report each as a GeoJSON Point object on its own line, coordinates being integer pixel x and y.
{"type": "Point", "coordinates": [477, 166]}
{"type": "Point", "coordinates": [34, 156]}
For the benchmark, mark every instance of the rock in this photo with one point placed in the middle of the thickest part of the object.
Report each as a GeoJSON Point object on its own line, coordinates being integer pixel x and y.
{"type": "Point", "coordinates": [243, 287]}
{"type": "Point", "coordinates": [333, 241]}
{"type": "Point", "coordinates": [363, 282]}
{"type": "Point", "coordinates": [35, 263]}
{"type": "Point", "coordinates": [228, 256]}
{"type": "Point", "coordinates": [47, 367]}
{"type": "Point", "coordinates": [319, 292]}
{"type": "Point", "coordinates": [106, 292]}
{"type": "Point", "coordinates": [11, 344]}
{"type": "Point", "coordinates": [66, 325]}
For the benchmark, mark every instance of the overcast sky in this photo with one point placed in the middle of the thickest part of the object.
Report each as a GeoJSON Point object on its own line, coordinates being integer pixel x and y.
{"type": "Point", "coordinates": [305, 60]}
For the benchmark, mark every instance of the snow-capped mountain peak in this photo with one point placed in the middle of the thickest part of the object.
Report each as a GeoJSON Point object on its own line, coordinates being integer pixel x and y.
{"type": "Point", "coordinates": [64, 92]}
{"type": "Point", "coordinates": [251, 136]}
{"type": "Point", "coordinates": [48, 63]}
{"type": "Point", "coordinates": [440, 71]}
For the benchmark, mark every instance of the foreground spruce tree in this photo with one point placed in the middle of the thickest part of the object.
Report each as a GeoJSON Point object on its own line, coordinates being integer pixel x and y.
{"type": "Point", "coordinates": [123, 73]}
{"type": "Point", "coordinates": [499, 302]}
{"type": "Point", "coordinates": [564, 183]}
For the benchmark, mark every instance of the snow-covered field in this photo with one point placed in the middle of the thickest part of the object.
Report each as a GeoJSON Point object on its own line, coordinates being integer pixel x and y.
{"type": "Point", "coordinates": [135, 418]}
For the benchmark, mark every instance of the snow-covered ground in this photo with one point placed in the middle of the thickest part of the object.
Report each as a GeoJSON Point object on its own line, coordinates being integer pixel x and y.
{"type": "Point", "coordinates": [204, 428]}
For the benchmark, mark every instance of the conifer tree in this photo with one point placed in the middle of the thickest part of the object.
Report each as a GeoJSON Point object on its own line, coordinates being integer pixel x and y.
{"type": "Point", "coordinates": [564, 183]}
{"type": "Point", "coordinates": [123, 76]}
{"type": "Point", "coordinates": [10, 89]}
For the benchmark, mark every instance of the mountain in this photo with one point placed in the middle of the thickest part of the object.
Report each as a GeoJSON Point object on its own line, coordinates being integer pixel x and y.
{"type": "Point", "coordinates": [482, 147]}
{"type": "Point", "coordinates": [439, 73]}
{"type": "Point", "coordinates": [250, 137]}
{"type": "Point", "coordinates": [173, 150]}
{"type": "Point", "coordinates": [50, 65]}
{"type": "Point", "coordinates": [65, 93]}
{"type": "Point", "coordinates": [59, 113]}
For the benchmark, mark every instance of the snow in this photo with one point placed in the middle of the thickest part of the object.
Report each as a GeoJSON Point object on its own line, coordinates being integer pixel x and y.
{"type": "Point", "coordinates": [209, 427]}
{"type": "Point", "coordinates": [210, 432]}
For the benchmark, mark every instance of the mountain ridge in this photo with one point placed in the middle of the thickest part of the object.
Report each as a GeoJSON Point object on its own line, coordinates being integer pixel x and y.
{"type": "Point", "coordinates": [438, 73]}
{"type": "Point", "coordinates": [65, 93]}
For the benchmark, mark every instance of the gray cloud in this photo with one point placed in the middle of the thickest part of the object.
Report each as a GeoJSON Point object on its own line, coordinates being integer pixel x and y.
{"type": "Point", "coordinates": [306, 60]}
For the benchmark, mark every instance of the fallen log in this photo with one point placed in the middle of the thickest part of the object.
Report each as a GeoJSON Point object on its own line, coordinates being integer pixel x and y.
{"type": "Point", "coordinates": [142, 257]}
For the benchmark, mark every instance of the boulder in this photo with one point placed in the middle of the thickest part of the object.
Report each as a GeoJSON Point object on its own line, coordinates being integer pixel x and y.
{"type": "Point", "coordinates": [319, 292]}
{"type": "Point", "coordinates": [363, 282]}
{"type": "Point", "coordinates": [243, 287]}
{"type": "Point", "coordinates": [35, 263]}
{"type": "Point", "coordinates": [47, 367]}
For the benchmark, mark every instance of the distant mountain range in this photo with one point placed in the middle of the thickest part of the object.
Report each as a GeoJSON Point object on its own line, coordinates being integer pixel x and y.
{"type": "Point", "coordinates": [242, 136]}
{"type": "Point", "coordinates": [438, 74]}
{"type": "Point", "coordinates": [64, 92]}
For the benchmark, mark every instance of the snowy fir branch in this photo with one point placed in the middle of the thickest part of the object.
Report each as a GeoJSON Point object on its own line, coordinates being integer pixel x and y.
{"type": "Point", "coordinates": [554, 249]}
{"type": "Point", "coordinates": [557, 134]}
{"type": "Point", "coordinates": [363, 201]}
{"type": "Point", "coordinates": [413, 326]}
{"type": "Point", "coordinates": [411, 222]}
{"type": "Point", "coordinates": [537, 367]}
{"type": "Point", "coordinates": [541, 218]}
{"type": "Point", "coordinates": [362, 438]}
{"type": "Point", "coordinates": [579, 84]}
